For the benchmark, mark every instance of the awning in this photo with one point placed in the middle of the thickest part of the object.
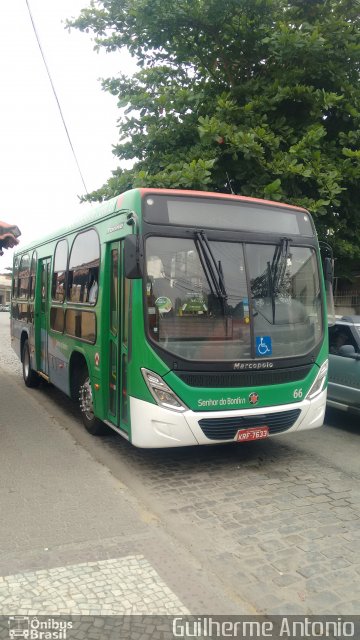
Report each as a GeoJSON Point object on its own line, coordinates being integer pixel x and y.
{"type": "Point", "coordinates": [8, 236]}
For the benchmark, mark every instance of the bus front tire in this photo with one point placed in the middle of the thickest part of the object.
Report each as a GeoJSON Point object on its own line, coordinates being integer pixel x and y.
{"type": "Point", "coordinates": [92, 424]}
{"type": "Point", "coordinates": [30, 376]}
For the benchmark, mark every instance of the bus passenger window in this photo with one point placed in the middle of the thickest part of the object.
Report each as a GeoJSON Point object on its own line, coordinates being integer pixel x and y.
{"type": "Point", "coordinates": [93, 291]}
{"type": "Point", "coordinates": [24, 275]}
{"type": "Point", "coordinates": [15, 283]}
{"type": "Point", "coordinates": [57, 319]}
{"type": "Point", "coordinates": [33, 275]}
{"type": "Point", "coordinates": [81, 324]}
{"type": "Point", "coordinates": [58, 279]}
{"type": "Point", "coordinates": [84, 263]}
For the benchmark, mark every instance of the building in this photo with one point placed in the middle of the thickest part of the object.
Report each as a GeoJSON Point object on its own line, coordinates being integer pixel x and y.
{"type": "Point", "coordinates": [5, 288]}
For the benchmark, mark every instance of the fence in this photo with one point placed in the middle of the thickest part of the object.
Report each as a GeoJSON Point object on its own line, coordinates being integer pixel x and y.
{"type": "Point", "coordinates": [347, 302]}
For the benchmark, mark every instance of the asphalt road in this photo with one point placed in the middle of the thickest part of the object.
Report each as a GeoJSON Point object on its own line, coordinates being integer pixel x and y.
{"type": "Point", "coordinates": [267, 527]}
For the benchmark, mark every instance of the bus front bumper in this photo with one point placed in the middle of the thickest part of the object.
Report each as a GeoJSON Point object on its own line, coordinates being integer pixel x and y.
{"type": "Point", "coordinates": [153, 426]}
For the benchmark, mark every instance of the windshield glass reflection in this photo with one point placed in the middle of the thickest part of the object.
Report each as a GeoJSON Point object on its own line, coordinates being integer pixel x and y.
{"type": "Point", "coordinates": [229, 301]}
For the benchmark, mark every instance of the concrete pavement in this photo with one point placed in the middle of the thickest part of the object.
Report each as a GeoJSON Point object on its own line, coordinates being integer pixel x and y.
{"type": "Point", "coordinates": [73, 538]}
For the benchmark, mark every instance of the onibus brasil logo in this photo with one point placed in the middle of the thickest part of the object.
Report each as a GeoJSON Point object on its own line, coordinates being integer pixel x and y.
{"type": "Point", "coordinates": [33, 628]}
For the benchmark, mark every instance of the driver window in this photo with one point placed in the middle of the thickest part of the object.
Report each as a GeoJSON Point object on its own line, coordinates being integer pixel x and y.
{"type": "Point", "coordinates": [161, 284]}
{"type": "Point", "coordinates": [340, 335]}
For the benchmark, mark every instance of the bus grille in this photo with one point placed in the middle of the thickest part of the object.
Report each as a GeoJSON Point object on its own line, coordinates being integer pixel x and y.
{"type": "Point", "coordinates": [226, 428]}
{"type": "Point", "coordinates": [243, 378]}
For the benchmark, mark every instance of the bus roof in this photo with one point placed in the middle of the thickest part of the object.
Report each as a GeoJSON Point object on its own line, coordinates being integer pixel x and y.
{"type": "Point", "coordinates": [215, 194]}
{"type": "Point", "coordinates": [112, 205]}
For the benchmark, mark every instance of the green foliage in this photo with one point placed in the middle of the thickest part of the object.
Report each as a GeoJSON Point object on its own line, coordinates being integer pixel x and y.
{"type": "Point", "coordinates": [255, 97]}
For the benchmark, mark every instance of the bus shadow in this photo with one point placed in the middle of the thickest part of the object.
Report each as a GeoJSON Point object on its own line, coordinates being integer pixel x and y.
{"type": "Point", "coordinates": [343, 421]}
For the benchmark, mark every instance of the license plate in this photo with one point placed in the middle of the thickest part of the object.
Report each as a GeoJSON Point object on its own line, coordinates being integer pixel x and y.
{"type": "Point", "coordinates": [254, 433]}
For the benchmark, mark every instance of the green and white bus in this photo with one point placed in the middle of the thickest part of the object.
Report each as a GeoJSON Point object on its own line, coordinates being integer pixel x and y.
{"type": "Point", "coordinates": [179, 317]}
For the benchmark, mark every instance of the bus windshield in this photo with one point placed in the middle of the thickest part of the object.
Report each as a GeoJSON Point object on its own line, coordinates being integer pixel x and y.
{"type": "Point", "coordinates": [212, 300]}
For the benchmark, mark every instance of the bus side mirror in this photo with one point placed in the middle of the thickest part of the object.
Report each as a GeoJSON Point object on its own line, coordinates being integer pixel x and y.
{"type": "Point", "coordinates": [327, 260]}
{"type": "Point", "coordinates": [133, 256]}
{"type": "Point", "coordinates": [328, 270]}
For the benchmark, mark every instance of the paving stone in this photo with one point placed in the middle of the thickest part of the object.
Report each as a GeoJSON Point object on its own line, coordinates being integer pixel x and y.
{"type": "Point", "coordinates": [319, 499]}
{"type": "Point", "coordinates": [288, 529]}
{"type": "Point", "coordinates": [318, 491]}
{"type": "Point", "coordinates": [286, 579]}
{"type": "Point", "coordinates": [338, 551]}
{"type": "Point", "coordinates": [348, 607]}
{"type": "Point", "coordinates": [293, 539]}
{"type": "Point", "coordinates": [127, 588]}
{"type": "Point", "coordinates": [338, 504]}
{"type": "Point", "coordinates": [339, 563]}
{"type": "Point", "coordinates": [317, 584]}
{"type": "Point", "coordinates": [311, 570]}
{"type": "Point", "coordinates": [289, 609]}
{"type": "Point", "coordinates": [346, 513]}
{"type": "Point", "coordinates": [324, 599]}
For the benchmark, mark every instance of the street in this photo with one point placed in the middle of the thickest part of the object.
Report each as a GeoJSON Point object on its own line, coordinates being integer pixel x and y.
{"type": "Point", "coordinates": [94, 525]}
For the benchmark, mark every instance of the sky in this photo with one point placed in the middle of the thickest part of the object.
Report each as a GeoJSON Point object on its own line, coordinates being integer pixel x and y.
{"type": "Point", "coordinates": [39, 180]}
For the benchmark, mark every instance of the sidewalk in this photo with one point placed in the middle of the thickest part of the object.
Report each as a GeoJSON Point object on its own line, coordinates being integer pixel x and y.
{"type": "Point", "coordinates": [73, 539]}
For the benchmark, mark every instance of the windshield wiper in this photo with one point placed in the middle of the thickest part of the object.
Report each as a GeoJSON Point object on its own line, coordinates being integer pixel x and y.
{"type": "Point", "coordinates": [213, 270]}
{"type": "Point", "coordinates": [277, 270]}
{"type": "Point", "coordinates": [268, 284]}
{"type": "Point", "coordinates": [279, 262]}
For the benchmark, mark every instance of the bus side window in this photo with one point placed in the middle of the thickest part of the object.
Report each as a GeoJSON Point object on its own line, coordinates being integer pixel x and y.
{"type": "Point", "coordinates": [59, 273]}
{"type": "Point", "coordinates": [15, 278]}
{"type": "Point", "coordinates": [33, 275]}
{"type": "Point", "coordinates": [24, 276]}
{"type": "Point", "coordinates": [84, 264]}
{"type": "Point", "coordinates": [93, 289]}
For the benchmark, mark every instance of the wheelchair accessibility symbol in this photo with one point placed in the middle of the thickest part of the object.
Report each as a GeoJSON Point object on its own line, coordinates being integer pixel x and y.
{"type": "Point", "coordinates": [263, 346]}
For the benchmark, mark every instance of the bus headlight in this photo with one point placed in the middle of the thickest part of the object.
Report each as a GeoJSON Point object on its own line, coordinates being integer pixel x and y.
{"type": "Point", "coordinates": [161, 393]}
{"type": "Point", "coordinates": [319, 381]}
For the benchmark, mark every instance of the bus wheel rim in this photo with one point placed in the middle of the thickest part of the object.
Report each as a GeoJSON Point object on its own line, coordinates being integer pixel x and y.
{"type": "Point", "coordinates": [86, 400]}
{"type": "Point", "coordinates": [26, 363]}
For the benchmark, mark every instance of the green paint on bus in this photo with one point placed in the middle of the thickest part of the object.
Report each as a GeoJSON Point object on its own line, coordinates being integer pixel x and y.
{"type": "Point", "coordinates": [178, 317]}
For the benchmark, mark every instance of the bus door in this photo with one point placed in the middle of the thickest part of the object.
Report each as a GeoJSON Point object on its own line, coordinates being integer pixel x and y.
{"type": "Point", "coordinates": [41, 317]}
{"type": "Point", "coordinates": [118, 339]}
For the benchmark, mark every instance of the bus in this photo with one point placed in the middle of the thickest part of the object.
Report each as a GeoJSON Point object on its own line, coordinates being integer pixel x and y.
{"type": "Point", "coordinates": [179, 318]}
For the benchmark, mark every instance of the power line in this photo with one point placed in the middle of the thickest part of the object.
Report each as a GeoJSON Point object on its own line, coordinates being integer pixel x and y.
{"type": "Point", "coordinates": [55, 94]}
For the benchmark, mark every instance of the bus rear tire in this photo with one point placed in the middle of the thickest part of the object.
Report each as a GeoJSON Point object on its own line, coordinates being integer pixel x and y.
{"type": "Point", "coordinates": [30, 376]}
{"type": "Point", "coordinates": [92, 424]}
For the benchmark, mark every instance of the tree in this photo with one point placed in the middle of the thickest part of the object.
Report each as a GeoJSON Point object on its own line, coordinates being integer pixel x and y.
{"type": "Point", "coordinates": [255, 97]}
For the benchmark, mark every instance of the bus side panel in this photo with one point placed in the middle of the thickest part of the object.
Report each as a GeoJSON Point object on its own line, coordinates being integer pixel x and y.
{"type": "Point", "coordinates": [59, 363]}
{"type": "Point", "coordinates": [21, 330]}
{"type": "Point", "coordinates": [16, 328]}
